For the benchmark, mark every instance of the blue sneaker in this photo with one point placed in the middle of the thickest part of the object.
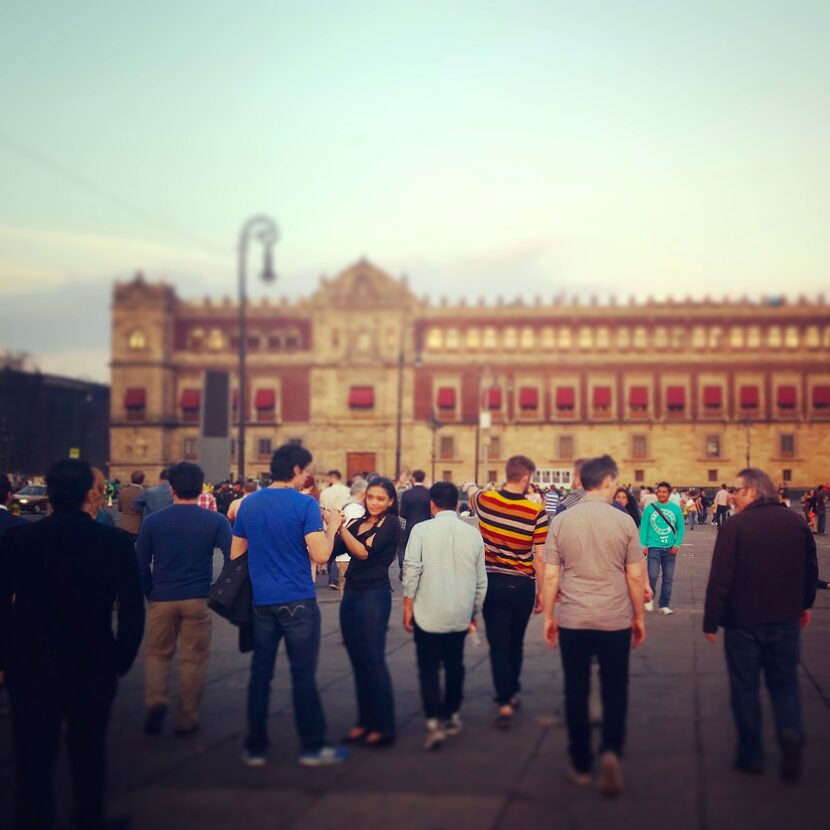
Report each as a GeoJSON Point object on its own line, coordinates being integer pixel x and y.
{"type": "Point", "coordinates": [324, 757]}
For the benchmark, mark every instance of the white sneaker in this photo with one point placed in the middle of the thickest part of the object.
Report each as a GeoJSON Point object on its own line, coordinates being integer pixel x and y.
{"type": "Point", "coordinates": [253, 760]}
{"type": "Point", "coordinates": [435, 735]}
{"type": "Point", "coordinates": [453, 725]}
{"type": "Point", "coordinates": [649, 606]}
{"type": "Point", "coordinates": [666, 611]}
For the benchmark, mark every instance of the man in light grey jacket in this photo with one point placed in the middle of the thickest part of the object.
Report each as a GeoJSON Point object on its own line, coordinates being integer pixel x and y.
{"type": "Point", "coordinates": [444, 581]}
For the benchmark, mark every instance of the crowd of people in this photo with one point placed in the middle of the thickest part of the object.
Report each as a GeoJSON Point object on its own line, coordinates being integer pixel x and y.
{"type": "Point", "coordinates": [590, 561]}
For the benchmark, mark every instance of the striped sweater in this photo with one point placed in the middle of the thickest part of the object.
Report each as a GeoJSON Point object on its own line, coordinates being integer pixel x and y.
{"type": "Point", "coordinates": [510, 525]}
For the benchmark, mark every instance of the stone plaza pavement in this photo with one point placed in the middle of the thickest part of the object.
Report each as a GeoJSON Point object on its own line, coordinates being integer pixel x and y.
{"type": "Point", "coordinates": [678, 771]}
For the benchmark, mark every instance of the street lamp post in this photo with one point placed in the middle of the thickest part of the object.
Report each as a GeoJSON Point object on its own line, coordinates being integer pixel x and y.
{"type": "Point", "coordinates": [748, 425]}
{"type": "Point", "coordinates": [399, 414]}
{"type": "Point", "coordinates": [264, 230]}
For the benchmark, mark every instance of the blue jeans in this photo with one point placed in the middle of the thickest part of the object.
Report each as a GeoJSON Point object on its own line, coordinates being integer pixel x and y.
{"type": "Point", "coordinates": [364, 618]}
{"type": "Point", "coordinates": [692, 517]}
{"type": "Point", "coordinates": [299, 624]}
{"type": "Point", "coordinates": [661, 558]}
{"type": "Point", "coordinates": [775, 649]}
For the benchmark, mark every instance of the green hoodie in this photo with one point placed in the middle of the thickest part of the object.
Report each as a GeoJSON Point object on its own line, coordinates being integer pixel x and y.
{"type": "Point", "coordinates": [655, 532]}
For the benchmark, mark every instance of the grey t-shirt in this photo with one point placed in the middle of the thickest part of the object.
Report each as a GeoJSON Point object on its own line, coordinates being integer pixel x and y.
{"type": "Point", "coordinates": [592, 542]}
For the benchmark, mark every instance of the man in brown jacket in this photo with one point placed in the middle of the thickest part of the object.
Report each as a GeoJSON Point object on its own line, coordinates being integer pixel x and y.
{"type": "Point", "coordinates": [761, 587]}
{"type": "Point", "coordinates": [130, 519]}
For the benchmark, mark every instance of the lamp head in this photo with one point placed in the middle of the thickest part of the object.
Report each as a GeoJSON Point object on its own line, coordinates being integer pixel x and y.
{"type": "Point", "coordinates": [268, 273]}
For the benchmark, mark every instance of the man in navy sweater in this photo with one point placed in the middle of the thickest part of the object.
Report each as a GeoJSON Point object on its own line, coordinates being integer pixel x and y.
{"type": "Point", "coordinates": [175, 560]}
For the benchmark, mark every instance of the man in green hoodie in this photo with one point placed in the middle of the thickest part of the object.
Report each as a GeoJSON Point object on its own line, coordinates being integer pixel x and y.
{"type": "Point", "coordinates": [661, 533]}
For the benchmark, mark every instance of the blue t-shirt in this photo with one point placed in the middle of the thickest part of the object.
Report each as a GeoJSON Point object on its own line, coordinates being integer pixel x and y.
{"type": "Point", "coordinates": [275, 521]}
{"type": "Point", "coordinates": [178, 542]}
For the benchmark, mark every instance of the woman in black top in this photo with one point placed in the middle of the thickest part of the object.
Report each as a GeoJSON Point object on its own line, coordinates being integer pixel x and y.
{"type": "Point", "coordinates": [372, 543]}
{"type": "Point", "coordinates": [623, 500]}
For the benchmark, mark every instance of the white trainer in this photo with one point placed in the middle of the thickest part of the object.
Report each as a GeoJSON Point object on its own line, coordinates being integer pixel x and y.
{"type": "Point", "coordinates": [666, 611]}
{"type": "Point", "coordinates": [649, 606]}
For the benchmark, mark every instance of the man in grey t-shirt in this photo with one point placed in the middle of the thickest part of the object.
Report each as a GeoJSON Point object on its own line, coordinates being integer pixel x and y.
{"type": "Point", "coordinates": [593, 558]}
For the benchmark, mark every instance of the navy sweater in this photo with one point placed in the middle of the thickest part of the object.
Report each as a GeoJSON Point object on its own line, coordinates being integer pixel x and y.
{"type": "Point", "coordinates": [175, 551]}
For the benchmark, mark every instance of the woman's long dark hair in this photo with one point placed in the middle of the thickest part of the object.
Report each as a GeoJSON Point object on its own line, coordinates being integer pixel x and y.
{"type": "Point", "coordinates": [631, 505]}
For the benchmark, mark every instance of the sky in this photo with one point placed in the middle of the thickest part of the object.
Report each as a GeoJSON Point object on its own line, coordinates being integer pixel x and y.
{"type": "Point", "coordinates": [630, 147]}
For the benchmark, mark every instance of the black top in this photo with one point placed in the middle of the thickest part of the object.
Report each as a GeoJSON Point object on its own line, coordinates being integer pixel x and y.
{"type": "Point", "coordinates": [414, 508]}
{"type": "Point", "coordinates": [65, 574]}
{"type": "Point", "coordinates": [764, 569]}
{"type": "Point", "coordinates": [8, 521]}
{"type": "Point", "coordinates": [371, 573]}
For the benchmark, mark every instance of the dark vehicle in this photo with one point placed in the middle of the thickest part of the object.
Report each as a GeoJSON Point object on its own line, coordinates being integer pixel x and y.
{"type": "Point", "coordinates": [32, 498]}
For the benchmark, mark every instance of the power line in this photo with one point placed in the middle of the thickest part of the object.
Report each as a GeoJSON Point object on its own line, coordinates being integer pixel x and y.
{"type": "Point", "coordinates": [102, 193]}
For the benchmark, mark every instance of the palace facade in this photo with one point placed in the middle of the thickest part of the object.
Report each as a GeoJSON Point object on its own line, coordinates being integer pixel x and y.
{"type": "Point", "coordinates": [362, 369]}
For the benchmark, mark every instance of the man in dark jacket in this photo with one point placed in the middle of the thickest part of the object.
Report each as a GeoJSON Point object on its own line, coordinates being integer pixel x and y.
{"type": "Point", "coordinates": [761, 587]}
{"type": "Point", "coordinates": [414, 509]}
{"type": "Point", "coordinates": [59, 580]}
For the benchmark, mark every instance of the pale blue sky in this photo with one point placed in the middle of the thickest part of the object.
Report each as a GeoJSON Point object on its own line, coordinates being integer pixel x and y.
{"type": "Point", "coordinates": [483, 148]}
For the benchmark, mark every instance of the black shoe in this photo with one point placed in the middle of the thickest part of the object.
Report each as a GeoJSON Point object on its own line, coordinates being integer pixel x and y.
{"type": "Point", "coordinates": [755, 767]}
{"type": "Point", "coordinates": [155, 720]}
{"type": "Point", "coordinates": [790, 769]}
{"type": "Point", "coordinates": [186, 732]}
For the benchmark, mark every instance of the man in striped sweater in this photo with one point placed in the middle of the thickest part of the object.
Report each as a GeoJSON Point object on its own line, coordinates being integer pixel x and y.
{"type": "Point", "coordinates": [514, 531]}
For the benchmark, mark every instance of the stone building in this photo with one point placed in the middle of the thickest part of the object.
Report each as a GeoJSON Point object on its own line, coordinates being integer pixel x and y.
{"type": "Point", "coordinates": [686, 391]}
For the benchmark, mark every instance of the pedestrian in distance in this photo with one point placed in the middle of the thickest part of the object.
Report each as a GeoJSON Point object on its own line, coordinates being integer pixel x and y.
{"type": "Point", "coordinates": [155, 498]}
{"type": "Point", "coordinates": [661, 534]}
{"type": "Point", "coordinates": [354, 508]}
{"type": "Point", "coordinates": [281, 531]}
{"type": "Point", "coordinates": [721, 505]}
{"type": "Point", "coordinates": [175, 557]}
{"type": "Point", "coordinates": [625, 502]}
{"type": "Point", "coordinates": [129, 518]}
{"type": "Point", "coordinates": [59, 581]}
{"type": "Point", "coordinates": [761, 586]}
{"type": "Point", "coordinates": [593, 559]}
{"type": "Point", "coordinates": [414, 509]}
{"type": "Point", "coordinates": [372, 544]}
{"type": "Point", "coordinates": [445, 582]}
{"type": "Point", "coordinates": [513, 529]}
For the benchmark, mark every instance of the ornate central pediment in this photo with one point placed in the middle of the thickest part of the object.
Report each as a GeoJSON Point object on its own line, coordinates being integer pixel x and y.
{"type": "Point", "coordinates": [364, 286]}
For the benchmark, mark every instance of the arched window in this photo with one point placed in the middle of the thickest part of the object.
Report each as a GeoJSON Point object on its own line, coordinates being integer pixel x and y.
{"type": "Point", "coordinates": [774, 339]}
{"type": "Point", "coordinates": [528, 339]}
{"type": "Point", "coordinates": [490, 338]}
{"type": "Point", "coordinates": [216, 340]}
{"type": "Point", "coordinates": [435, 339]}
{"type": "Point", "coordinates": [452, 339]}
{"type": "Point", "coordinates": [623, 338]}
{"type": "Point", "coordinates": [698, 337]}
{"type": "Point", "coordinates": [586, 337]}
{"type": "Point", "coordinates": [511, 338]}
{"type": "Point", "coordinates": [473, 339]}
{"type": "Point", "coordinates": [640, 337]}
{"type": "Point", "coordinates": [603, 338]}
{"type": "Point", "coordinates": [565, 338]}
{"type": "Point", "coordinates": [791, 337]}
{"type": "Point", "coordinates": [736, 338]}
{"type": "Point", "coordinates": [548, 338]}
{"type": "Point", "coordinates": [197, 337]}
{"type": "Point", "coordinates": [137, 340]}
{"type": "Point", "coordinates": [812, 338]}
{"type": "Point", "coordinates": [715, 337]}
{"type": "Point", "coordinates": [661, 338]}
{"type": "Point", "coordinates": [753, 337]}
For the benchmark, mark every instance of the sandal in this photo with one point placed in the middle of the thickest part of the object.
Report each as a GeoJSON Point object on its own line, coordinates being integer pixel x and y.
{"type": "Point", "coordinates": [356, 736]}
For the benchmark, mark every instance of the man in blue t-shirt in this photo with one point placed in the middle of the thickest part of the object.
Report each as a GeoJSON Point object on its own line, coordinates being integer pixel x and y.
{"type": "Point", "coordinates": [281, 530]}
{"type": "Point", "coordinates": [175, 561]}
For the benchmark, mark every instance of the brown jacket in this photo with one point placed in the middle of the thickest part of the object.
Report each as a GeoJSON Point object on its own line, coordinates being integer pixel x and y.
{"type": "Point", "coordinates": [764, 569]}
{"type": "Point", "coordinates": [130, 519]}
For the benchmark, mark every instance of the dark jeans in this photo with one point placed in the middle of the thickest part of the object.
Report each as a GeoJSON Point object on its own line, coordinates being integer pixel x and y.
{"type": "Point", "coordinates": [433, 650]}
{"type": "Point", "coordinates": [299, 624]}
{"type": "Point", "coordinates": [507, 609]}
{"type": "Point", "coordinates": [612, 649]}
{"type": "Point", "coordinates": [39, 706]}
{"type": "Point", "coordinates": [364, 618]}
{"type": "Point", "coordinates": [775, 649]}
{"type": "Point", "coordinates": [821, 520]}
{"type": "Point", "coordinates": [720, 514]}
{"type": "Point", "coordinates": [661, 559]}
{"type": "Point", "coordinates": [333, 572]}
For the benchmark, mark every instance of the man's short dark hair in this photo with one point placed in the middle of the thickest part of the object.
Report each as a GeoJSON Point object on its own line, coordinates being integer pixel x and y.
{"type": "Point", "coordinates": [137, 477]}
{"type": "Point", "coordinates": [595, 470]}
{"type": "Point", "coordinates": [418, 476]}
{"type": "Point", "coordinates": [335, 474]}
{"type": "Point", "coordinates": [664, 484]}
{"type": "Point", "coordinates": [5, 488]}
{"type": "Point", "coordinates": [444, 495]}
{"type": "Point", "coordinates": [518, 467]}
{"type": "Point", "coordinates": [67, 483]}
{"type": "Point", "coordinates": [187, 480]}
{"type": "Point", "coordinates": [286, 458]}
{"type": "Point", "coordinates": [164, 475]}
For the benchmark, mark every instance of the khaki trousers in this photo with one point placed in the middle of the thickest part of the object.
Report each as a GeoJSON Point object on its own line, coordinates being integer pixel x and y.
{"type": "Point", "coordinates": [187, 622]}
